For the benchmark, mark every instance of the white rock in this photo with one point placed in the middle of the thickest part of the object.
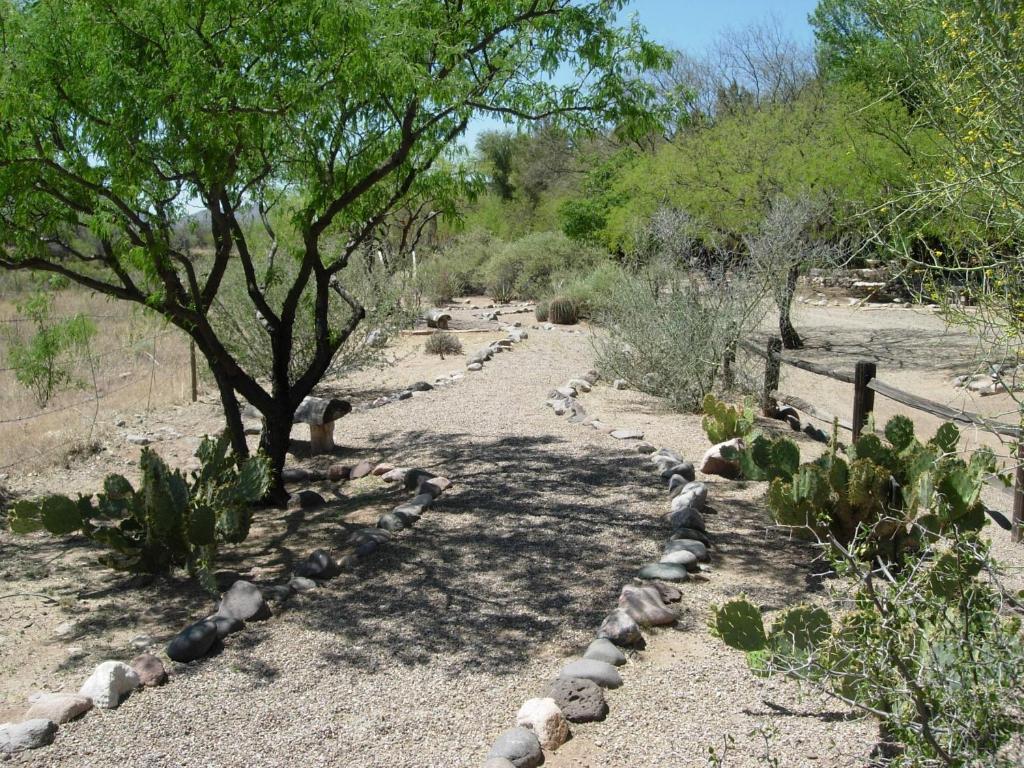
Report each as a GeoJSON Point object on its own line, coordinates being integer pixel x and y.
{"type": "Point", "coordinates": [474, 367]}
{"type": "Point", "coordinates": [545, 719]}
{"type": "Point", "coordinates": [108, 683]}
{"type": "Point", "coordinates": [619, 384]}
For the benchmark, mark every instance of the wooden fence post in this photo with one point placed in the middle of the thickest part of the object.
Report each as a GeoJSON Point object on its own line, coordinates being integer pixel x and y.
{"type": "Point", "coordinates": [1017, 531]}
{"type": "Point", "coordinates": [771, 376]}
{"type": "Point", "coordinates": [728, 361]}
{"type": "Point", "coordinates": [863, 397]}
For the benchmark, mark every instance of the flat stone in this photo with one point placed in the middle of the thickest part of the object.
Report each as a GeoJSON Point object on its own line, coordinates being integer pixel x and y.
{"type": "Point", "coordinates": [605, 650]}
{"type": "Point", "coordinates": [302, 584]}
{"type": "Point", "coordinates": [545, 719]}
{"type": "Point", "coordinates": [319, 564]}
{"type": "Point", "coordinates": [664, 571]}
{"type": "Point", "coordinates": [109, 683]}
{"type": "Point", "coordinates": [645, 607]}
{"type": "Point", "coordinates": [696, 548]}
{"type": "Point", "coordinates": [30, 734]}
{"type": "Point", "coordinates": [58, 707]}
{"type": "Point", "coordinates": [520, 747]}
{"type": "Point", "coordinates": [362, 469]}
{"type": "Point", "coordinates": [226, 625]}
{"type": "Point", "coordinates": [581, 701]}
{"type": "Point", "coordinates": [619, 628]}
{"type": "Point", "coordinates": [599, 672]}
{"type": "Point", "coordinates": [627, 434]}
{"type": "Point", "coordinates": [193, 642]}
{"type": "Point", "coordinates": [244, 602]}
{"type": "Point", "coordinates": [682, 534]}
{"type": "Point", "coordinates": [684, 558]}
{"type": "Point", "coordinates": [150, 670]}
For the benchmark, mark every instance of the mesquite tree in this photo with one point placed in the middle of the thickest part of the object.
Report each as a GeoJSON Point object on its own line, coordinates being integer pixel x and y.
{"type": "Point", "coordinates": [118, 119]}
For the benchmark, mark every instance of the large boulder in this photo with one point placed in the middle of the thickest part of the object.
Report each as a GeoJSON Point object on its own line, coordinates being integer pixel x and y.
{"type": "Point", "coordinates": [58, 707]}
{"type": "Point", "coordinates": [619, 628]}
{"type": "Point", "coordinates": [581, 701]}
{"type": "Point", "coordinates": [29, 734]}
{"type": "Point", "coordinates": [599, 672]}
{"type": "Point", "coordinates": [244, 602]}
{"type": "Point", "coordinates": [109, 683]}
{"type": "Point", "coordinates": [645, 607]}
{"type": "Point", "coordinates": [715, 461]}
{"type": "Point", "coordinates": [193, 642]}
{"type": "Point", "coordinates": [520, 747]}
{"type": "Point", "coordinates": [544, 718]}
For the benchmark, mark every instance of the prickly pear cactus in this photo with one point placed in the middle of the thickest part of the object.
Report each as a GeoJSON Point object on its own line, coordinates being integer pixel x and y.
{"type": "Point", "coordinates": [765, 459]}
{"type": "Point", "coordinates": [723, 422]}
{"type": "Point", "coordinates": [739, 624]}
{"type": "Point", "coordinates": [800, 629]}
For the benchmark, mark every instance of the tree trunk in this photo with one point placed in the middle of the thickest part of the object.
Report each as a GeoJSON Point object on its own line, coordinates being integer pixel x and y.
{"type": "Point", "coordinates": [232, 411]}
{"type": "Point", "coordinates": [790, 338]}
{"type": "Point", "coordinates": [274, 441]}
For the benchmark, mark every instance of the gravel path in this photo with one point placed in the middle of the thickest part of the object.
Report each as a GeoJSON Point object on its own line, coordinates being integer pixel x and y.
{"type": "Point", "coordinates": [422, 655]}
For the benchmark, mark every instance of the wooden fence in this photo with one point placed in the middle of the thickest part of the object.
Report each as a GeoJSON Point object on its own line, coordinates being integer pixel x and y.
{"type": "Point", "coordinates": [865, 386]}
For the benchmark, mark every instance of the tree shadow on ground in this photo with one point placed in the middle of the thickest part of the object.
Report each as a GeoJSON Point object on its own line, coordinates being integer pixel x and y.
{"type": "Point", "coordinates": [532, 538]}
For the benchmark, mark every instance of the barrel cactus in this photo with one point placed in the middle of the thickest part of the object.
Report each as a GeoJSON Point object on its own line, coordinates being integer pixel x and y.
{"type": "Point", "coordinates": [541, 311]}
{"type": "Point", "coordinates": [168, 522]}
{"type": "Point", "coordinates": [562, 311]}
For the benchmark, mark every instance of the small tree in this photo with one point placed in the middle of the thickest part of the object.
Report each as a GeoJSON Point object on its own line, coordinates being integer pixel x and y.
{"type": "Point", "coordinates": [117, 119]}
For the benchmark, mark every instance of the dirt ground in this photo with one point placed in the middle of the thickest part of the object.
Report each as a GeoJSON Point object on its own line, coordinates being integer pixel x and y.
{"type": "Point", "coordinates": [423, 655]}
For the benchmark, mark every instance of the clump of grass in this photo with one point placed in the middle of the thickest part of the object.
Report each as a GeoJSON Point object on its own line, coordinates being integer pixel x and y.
{"type": "Point", "coordinates": [442, 343]}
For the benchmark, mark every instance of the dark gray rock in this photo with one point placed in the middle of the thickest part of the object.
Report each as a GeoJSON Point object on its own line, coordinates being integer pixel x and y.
{"type": "Point", "coordinates": [294, 475]}
{"type": "Point", "coordinates": [31, 734]}
{"type": "Point", "coordinates": [226, 625]}
{"type": "Point", "coordinates": [318, 565]}
{"type": "Point", "coordinates": [302, 584]}
{"type": "Point", "coordinates": [815, 434]}
{"type": "Point", "coordinates": [666, 453]}
{"type": "Point", "coordinates": [519, 746]}
{"type": "Point", "coordinates": [245, 602]}
{"type": "Point", "coordinates": [664, 571]}
{"type": "Point", "coordinates": [421, 386]}
{"type": "Point", "coordinates": [276, 593]}
{"type": "Point", "coordinates": [689, 545]}
{"type": "Point", "coordinates": [391, 521]}
{"type": "Point", "coordinates": [306, 499]}
{"type": "Point", "coordinates": [682, 534]}
{"type": "Point", "coordinates": [620, 628]}
{"type": "Point", "coordinates": [368, 540]}
{"type": "Point", "coordinates": [405, 394]}
{"type": "Point", "coordinates": [684, 469]}
{"type": "Point", "coordinates": [414, 477]}
{"type": "Point", "coordinates": [193, 642]}
{"type": "Point", "coordinates": [581, 701]}
{"type": "Point", "coordinates": [605, 650]}
{"type": "Point", "coordinates": [686, 517]}
{"type": "Point", "coordinates": [684, 558]}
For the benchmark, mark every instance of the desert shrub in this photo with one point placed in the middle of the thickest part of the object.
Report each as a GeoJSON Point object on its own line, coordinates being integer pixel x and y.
{"type": "Point", "coordinates": [438, 282]}
{"type": "Point", "coordinates": [668, 329]}
{"type": "Point", "coordinates": [503, 273]}
{"type": "Point", "coordinates": [527, 268]}
{"type": "Point", "coordinates": [442, 343]}
{"type": "Point", "coordinates": [464, 258]}
{"type": "Point", "coordinates": [168, 522]}
{"type": "Point", "coordinates": [562, 311]}
{"type": "Point", "coordinates": [927, 640]}
{"type": "Point", "coordinates": [590, 291]}
{"type": "Point", "coordinates": [542, 311]}
{"type": "Point", "coordinates": [43, 362]}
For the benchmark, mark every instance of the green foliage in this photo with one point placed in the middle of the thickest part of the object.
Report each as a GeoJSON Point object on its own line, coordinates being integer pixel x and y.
{"type": "Point", "coordinates": [527, 267]}
{"type": "Point", "coordinates": [442, 343]}
{"type": "Point", "coordinates": [541, 311]}
{"type": "Point", "coordinates": [169, 522]}
{"type": "Point", "coordinates": [723, 422]}
{"type": "Point", "coordinates": [764, 458]}
{"type": "Point", "coordinates": [883, 496]}
{"type": "Point", "coordinates": [926, 649]}
{"type": "Point", "coordinates": [562, 311]}
{"type": "Point", "coordinates": [43, 362]}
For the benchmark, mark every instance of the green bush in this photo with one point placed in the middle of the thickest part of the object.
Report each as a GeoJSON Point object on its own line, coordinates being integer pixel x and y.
{"type": "Point", "coordinates": [442, 343]}
{"type": "Point", "coordinates": [168, 522]}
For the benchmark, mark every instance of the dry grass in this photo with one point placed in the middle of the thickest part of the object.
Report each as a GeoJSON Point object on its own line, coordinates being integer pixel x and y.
{"type": "Point", "coordinates": [135, 363]}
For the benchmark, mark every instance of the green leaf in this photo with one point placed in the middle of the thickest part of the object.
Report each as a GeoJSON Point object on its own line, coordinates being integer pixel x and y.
{"type": "Point", "coordinates": [739, 624]}
{"type": "Point", "coordinates": [800, 629]}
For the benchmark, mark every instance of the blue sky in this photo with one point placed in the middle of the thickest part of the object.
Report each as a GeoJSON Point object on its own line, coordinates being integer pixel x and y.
{"type": "Point", "coordinates": [694, 25]}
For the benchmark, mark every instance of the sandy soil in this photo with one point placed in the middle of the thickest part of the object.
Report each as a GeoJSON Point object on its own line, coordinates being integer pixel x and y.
{"type": "Point", "coordinates": [422, 655]}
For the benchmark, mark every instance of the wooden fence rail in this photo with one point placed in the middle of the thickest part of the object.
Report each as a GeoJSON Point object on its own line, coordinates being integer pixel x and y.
{"type": "Point", "coordinates": [865, 386]}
